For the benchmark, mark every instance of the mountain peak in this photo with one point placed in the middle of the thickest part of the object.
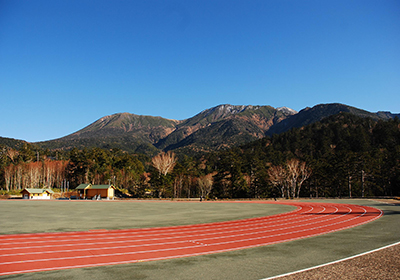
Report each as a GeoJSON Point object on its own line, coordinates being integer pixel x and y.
{"type": "Point", "coordinates": [225, 109]}
{"type": "Point", "coordinates": [287, 110]}
{"type": "Point", "coordinates": [215, 128]}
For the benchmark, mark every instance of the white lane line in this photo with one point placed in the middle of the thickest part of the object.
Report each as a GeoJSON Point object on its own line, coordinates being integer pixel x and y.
{"type": "Point", "coordinates": [207, 227]}
{"type": "Point", "coordinates": [198, 236]}
{"type": "Point", "coordinates": [155, 232]}
{"type": "Point", "coordinates": [330, 263]}
{"type": "Point", "coordinates": [212, 244]}
{"type": "Point", "coordinates": [146, 238]}
{"type": "Point", "coordinates": [202, 253]}
{"type": "Point", "coordinates": [163, 258]}
{"type": "Point", "coordinates": [147, 231]}
{"type": "Point", "coordinates": [205, 236]}
{"type": "Point", "coordinates": [231, 230]}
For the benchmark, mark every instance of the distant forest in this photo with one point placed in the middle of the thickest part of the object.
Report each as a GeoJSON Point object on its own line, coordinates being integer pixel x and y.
{"type": "Point", "coordinates": [341, 156]}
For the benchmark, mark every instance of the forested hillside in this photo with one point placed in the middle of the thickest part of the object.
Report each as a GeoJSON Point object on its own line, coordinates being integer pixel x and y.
{"type": "Point", "coordinates": [128, 132]}
{"type": "Point", "coordinates": [12, 143]}
{"type": "Point", "coordinates": [342, 155]}
{"type": "Point", "coordinates": [347, 155]}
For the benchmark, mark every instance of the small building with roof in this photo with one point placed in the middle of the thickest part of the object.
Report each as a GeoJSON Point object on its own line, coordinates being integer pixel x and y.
{"type": "Point", "coordinates": [28, 193]}
{"type": "Point", "coordinates": [90, 191]}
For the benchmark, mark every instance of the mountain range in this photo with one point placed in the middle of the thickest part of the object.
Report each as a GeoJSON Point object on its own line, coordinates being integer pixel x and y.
{"type": "Point", "coordinates": [213, 129]}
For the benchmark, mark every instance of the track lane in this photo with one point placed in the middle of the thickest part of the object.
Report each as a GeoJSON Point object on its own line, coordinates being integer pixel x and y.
{"type": "Point", "coordinates": [17, 255]}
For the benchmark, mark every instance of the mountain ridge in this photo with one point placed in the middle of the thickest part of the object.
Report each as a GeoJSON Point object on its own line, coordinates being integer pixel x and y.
{"type": "Point", "coordinates": [310, 115]}
{"type": "Point", "coordinates": [219, 127]}
{"type": "Point", "coordinates": [263, 117]}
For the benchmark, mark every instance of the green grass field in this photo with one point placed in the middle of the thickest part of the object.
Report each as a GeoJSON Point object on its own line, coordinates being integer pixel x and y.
{"type": "Point", "coordinates": [256, 263]}
{"type": "Point", "coordinates": [29, 216]}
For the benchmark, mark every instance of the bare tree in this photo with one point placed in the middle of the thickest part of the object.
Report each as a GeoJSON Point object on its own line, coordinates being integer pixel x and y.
{"type": "Point", "coordinates": [34, 174]}
{"type": "Point", "coordinates": [298, 172]}
{"type": "Point", "coordinates": [205, 184]}
{"type": "Point", "coordinates": [178, 183]}
{"type": "Point", "coordinates": [304, 174]}
{"type": "Point", "coordinates": [11, 154]}
{"type": "Point", "coordinates": [277, 177]}
{"type": "Point", "coordinates": [293, 174]}
{"type": "Point", "coordinates": [8, 176]}
{"type": "Point", "coordinates": [164, 162]}
{"type": "Point", "coordinates": [18, 177]}
{"type": "Point", "coordinates": [289, 177]}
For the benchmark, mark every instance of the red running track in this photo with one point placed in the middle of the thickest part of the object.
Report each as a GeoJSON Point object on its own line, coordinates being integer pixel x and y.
{"type": "Point", "coordinates": [26, 253]}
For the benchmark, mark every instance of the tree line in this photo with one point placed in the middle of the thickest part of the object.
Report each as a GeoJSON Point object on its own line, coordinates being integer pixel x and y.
{"type": "Point", "coordinates": [347, 155]}
{"type": "Point", "coordinates": [341, 156]}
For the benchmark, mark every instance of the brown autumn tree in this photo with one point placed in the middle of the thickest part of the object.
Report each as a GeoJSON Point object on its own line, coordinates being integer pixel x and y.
{"type": "Point", "coordinates": [205, 184]}
{"type": "Point", "coordinates": [293, 171]}
{"type": "Point", "coordinates": [304, 174]}
{"type": "Point", "coordinates": [45, 174]}
{"type": "Point", "coordinates": [278, 178]}
{"type": "Point", "coordinates": [8, 176]}
{"type": "Point", "coordinates": [11, 154]}
{"type": "Point", "coordinates": [164, 162]}
{"type": "Point", "coordinates": [290, 177]}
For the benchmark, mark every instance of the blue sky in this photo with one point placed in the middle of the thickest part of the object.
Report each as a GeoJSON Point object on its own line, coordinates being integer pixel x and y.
{"type": "Point", "coordinates": [65, 64]}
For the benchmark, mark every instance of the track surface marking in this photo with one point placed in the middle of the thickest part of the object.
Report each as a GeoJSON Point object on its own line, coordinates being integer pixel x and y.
{"type": "Point", "coordinates": [24, 253]}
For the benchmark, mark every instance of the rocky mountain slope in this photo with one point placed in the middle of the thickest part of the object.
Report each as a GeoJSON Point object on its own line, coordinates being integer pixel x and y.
{"type": "Point", "coordinates": [223, 126]}
{"type": "Point", "coordinates": [317, 113]}
{"type": "Point", "coordinates": [130, 132]}
{"type": "Point", "coordinates": [216, 128]}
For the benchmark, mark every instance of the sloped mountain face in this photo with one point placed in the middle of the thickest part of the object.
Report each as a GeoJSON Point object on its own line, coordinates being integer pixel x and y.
{"type": "Point", "coordinates": [223, 126]}
{"type": "Point", "coordinates": [219, 127]}
{"type": "Point", "coordinates": [317, 113]}
{"type": "Point", "coordinates": [219, 135]}
{"type": "Point", "coordinates": [11, 143]}
{"type": "Point", "coordinates": [387, 115]}
{"type": "Point", "coordinates": [216, 128]}
{"type": "Point", "coordinates": [130, 132]}
{"type": "Point", "coordinates": [147, 128]}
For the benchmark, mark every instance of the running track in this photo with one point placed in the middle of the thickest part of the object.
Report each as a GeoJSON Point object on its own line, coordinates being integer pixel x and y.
{"type": "Point", "coordinates": [26, 253]}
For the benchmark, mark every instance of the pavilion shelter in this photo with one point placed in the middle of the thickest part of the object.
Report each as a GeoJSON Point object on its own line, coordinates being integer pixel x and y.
{"type": "Point", "coordinates": [29, 193]}
{"type": "Point", "coordinates": [90, 191]}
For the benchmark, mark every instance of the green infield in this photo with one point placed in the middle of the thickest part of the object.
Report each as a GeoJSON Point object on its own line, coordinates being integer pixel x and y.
{"type": "Point", "coordinates": [30, 216]}
{"type": "Point", "coordinates": [255, 263]}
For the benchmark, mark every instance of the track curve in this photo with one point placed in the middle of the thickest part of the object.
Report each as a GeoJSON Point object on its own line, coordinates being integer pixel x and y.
{"type": "Point", "coordinates": [24, 253]}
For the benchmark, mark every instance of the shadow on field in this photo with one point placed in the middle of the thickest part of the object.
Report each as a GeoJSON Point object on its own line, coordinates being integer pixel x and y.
{"type": "Point", "coordinates": [397, 205]}
{"type": "Point", "coordinates": [391, 212]}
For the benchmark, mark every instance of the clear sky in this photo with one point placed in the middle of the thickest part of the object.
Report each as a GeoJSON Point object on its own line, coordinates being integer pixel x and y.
{"type": "Point", "coordinates": [66, 63]}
